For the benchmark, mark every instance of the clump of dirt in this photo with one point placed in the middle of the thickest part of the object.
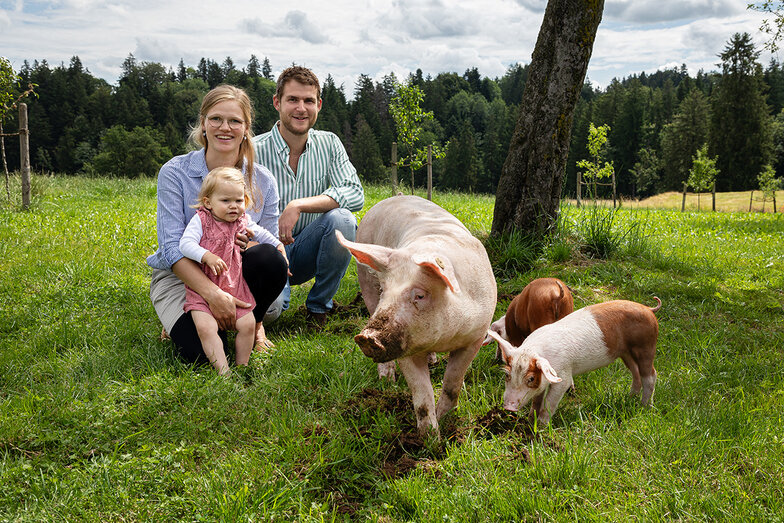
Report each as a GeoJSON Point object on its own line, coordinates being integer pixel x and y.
{"type": "Point", "coordinates": [391, 401]}
{"type": "Point", "coordinates": [499, 421]}
{"type": "Point", "coordinates": [315, 431]}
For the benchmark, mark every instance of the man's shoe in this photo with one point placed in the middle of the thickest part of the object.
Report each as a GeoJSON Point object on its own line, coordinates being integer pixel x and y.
{"type": "Point", "coordinates": [316, 319]}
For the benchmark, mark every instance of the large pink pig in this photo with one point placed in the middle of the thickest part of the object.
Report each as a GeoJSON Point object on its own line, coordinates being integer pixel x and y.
{"type": "Point", "coordinates": [429, 287]}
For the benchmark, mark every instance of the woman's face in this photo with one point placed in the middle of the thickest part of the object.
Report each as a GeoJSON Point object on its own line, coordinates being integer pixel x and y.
{"type": "Point", "coordinates": [225, 127]}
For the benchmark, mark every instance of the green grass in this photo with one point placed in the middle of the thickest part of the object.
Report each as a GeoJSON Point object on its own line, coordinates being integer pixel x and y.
{"type": "Point", "coordinates": [99, 421]}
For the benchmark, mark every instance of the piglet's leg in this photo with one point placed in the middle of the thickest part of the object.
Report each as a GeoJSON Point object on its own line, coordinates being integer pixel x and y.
{"type": "Point", "coordinates": [459, 361]}
{"type": "Point", "coordinates": [555, 392]}
{"type": "Point", "coordinates": [417, 374]}
{"type": "Point", "coordinates": [631, 364]}
{"type": "Point", "coordinates": [387, 370]}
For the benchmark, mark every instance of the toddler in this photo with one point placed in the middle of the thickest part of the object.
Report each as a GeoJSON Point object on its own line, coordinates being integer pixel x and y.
{"type": "Point", "coordinates": [209, 240]}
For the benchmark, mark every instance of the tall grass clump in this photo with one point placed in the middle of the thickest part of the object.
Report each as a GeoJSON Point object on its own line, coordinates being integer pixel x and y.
{"type": "Point", "coordinates": [513, 252]}
{"type": "Point", "coordinates": [603, 232]}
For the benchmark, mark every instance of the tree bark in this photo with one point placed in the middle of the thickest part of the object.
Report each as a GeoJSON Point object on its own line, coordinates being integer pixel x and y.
{"type": "Point", "coordinates": [529, 190]}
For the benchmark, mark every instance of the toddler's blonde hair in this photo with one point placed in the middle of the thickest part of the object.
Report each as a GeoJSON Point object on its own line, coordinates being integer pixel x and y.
{"type": "Point", "coordinates": [221, 174]}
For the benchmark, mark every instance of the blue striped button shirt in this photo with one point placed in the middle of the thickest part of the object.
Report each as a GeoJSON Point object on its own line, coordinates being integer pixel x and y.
{"type": "Point", "coordinates": [323, 168]}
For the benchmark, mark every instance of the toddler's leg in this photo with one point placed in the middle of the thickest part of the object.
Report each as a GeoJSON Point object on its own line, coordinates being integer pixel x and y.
{"type": "Point", "coordinates": [246, 333]}
{"type": "Point", "coordinates": [207, 328]}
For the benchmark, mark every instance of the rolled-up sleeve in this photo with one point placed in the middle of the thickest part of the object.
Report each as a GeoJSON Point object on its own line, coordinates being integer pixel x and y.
{"type": "Point", "coordinates": [345, 187]}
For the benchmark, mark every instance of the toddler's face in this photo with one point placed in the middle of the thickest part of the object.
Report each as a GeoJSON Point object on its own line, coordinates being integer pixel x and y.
{"type": "Point", "coordinates": [227, 202]}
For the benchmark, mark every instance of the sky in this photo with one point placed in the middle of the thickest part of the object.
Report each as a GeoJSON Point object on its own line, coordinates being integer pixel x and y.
{"type": "Point", "coordinates": [346, 38]}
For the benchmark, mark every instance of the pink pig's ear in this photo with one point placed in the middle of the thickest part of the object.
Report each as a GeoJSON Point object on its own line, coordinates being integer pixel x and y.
{"type": "Point", "coordinates": [547, 370]}
{"type": "Point", "coordinates": [441, 266]}
{"type": "Point", "coordinates": [374, 256]}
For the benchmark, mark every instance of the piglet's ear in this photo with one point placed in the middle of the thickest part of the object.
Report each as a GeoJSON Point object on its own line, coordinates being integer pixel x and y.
{"type": "Point", "coordinates": [547, 370]}
{"type": "Point", "coordinates": [441, 266]}
{"type": "Point", "coordinates": [374, 256]}
{"type": "Point", "coordinates": [505, 346]}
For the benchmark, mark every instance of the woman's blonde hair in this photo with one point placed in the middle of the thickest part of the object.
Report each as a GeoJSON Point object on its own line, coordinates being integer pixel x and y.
{"type": "Point", "coordinates": [217, 175]}
{"type": "Point", "coordinates": [245, 158]}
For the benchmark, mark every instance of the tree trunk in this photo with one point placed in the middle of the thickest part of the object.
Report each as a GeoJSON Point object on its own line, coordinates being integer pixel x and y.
{"type": "Point", "coordinates": [529, 191]}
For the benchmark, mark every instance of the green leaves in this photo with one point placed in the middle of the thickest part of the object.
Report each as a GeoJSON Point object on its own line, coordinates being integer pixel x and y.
{"type": "Point", "coordinates": [703, 172]}
{"type": "Point", "coordinates": [409, 117]}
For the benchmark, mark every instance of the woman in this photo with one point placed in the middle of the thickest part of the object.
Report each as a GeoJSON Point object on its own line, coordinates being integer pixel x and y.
{"type": "Point", "coordinates": [224, 134]}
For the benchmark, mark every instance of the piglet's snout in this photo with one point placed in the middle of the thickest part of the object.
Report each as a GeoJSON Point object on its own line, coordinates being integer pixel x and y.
{"type": "Point", "coordinates": [512, 406]}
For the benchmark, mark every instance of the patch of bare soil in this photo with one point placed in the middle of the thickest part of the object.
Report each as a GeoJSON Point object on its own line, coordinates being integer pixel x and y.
{"type": "Point", "coordinates": [499, 421]}
{"type": "Point", "coordinates": [391, 401]}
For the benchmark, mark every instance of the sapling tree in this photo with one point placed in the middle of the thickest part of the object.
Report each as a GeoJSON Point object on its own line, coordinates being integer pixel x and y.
{"type": "Point", "coordinates": [409, 117]}
{"type": "Point", "coordinates": [702, 174]}
{"type": "Point", "coordinates": [597, 168]}
{"type": "Point", "coordinates": [768, 184]}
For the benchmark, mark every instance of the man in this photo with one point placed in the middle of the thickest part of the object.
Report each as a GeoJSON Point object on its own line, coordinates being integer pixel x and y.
{"type": "Point", "coordinates": [319, 189]}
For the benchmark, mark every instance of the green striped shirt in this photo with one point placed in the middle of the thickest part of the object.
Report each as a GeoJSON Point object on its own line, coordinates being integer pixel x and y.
{"type": "Point", "coordinates": [323, 168]}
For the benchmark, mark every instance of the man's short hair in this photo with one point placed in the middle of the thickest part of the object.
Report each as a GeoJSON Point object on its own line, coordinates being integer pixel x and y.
{"type": "Point", "coordinates": [299, 74]}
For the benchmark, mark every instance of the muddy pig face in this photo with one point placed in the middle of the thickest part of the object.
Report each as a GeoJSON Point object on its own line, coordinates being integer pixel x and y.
{"type": "Point", "coordinates": [417, 291]}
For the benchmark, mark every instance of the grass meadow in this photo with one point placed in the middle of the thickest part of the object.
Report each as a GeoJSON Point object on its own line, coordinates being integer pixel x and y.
{"type": "Point", "coordinates": [100, 422]}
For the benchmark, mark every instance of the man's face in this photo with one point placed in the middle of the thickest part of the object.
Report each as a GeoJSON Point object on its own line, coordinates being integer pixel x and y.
{"type": "Point", "coordinates": [298, 107]}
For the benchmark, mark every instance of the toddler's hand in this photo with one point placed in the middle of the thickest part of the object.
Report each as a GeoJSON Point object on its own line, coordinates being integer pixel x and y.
{"type": "Point", "coordinates": [215, 263]}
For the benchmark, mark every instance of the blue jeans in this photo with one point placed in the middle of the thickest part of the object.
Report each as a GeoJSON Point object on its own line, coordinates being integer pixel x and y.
{"type": "Point", "coordinates": [317, 254]}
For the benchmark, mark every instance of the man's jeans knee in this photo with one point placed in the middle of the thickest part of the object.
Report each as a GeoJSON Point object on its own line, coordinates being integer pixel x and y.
{"type": "Point", "coordinates": [316, 253]}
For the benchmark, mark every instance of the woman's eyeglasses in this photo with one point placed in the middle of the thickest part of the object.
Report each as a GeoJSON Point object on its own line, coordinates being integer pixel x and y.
{"type": "Point", "coordinates": [217, 121]}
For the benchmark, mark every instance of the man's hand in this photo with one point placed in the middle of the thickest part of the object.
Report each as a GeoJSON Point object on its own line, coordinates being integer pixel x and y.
{"type": "Point", "coordinates": [287, 221]}
{"type": "Point", "coordinates": [282, 250]}
{"type": "Point", "coordinates": [214, 262]}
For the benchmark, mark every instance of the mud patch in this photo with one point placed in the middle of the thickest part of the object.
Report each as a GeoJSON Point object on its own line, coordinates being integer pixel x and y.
{"type": "Point", "coordinates": [391, 401]}
{"type": "Point", "coordinates": [499, 421]}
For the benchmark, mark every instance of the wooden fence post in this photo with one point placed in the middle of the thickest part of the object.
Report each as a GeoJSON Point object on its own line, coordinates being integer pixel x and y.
{"type": "Point", "coordinates": [613, 183]}
{"type": "Point", "coordinates": [24, 153]}
{"type": "Point", "coordinates": [430, 172]}
{"type": "Point", "coordinates": [683, 203]}
{"type": "Point", "coordinates": [394, 165]}
{"type": "Point", "coordinates": [751, 198]}
{"type": "Point", "coordinates": [713, 192]}
{"type": "Point", "coordinates": [579, 187]}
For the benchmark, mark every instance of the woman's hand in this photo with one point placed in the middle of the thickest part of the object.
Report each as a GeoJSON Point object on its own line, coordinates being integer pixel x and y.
{"type": "Point", "coordinates": [222, 304]}
{"type": "Point", "coordinates": [224, 308]}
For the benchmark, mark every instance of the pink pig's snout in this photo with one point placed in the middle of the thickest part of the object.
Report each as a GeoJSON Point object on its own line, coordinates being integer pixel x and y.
{"type": "Point", "coordinates": [379, 346]}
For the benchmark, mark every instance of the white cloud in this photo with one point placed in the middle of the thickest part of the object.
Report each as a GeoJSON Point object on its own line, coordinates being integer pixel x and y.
{"type": "Point", "coordinates": [5, 20]}
{"type": "Point", "coordinates": [373, 37]}
{"type": "Point", "coordinates": [650, 12]}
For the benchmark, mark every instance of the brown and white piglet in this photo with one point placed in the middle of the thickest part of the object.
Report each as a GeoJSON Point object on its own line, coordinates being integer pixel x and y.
{"type": "Point", "coordinates": [543, 367]}
{"type": "Point", "coordinates": [541, 302]}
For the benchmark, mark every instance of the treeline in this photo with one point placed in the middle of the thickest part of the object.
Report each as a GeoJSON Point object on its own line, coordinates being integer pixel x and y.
{"type": "Point", "coordinates": [82, 124]}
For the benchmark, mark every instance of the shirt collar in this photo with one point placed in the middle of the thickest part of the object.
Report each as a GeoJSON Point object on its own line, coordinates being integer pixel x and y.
{"type": "Point", "coordinates": [197, 167]}
{"type": "Point", "coordinates": [280, 143]}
